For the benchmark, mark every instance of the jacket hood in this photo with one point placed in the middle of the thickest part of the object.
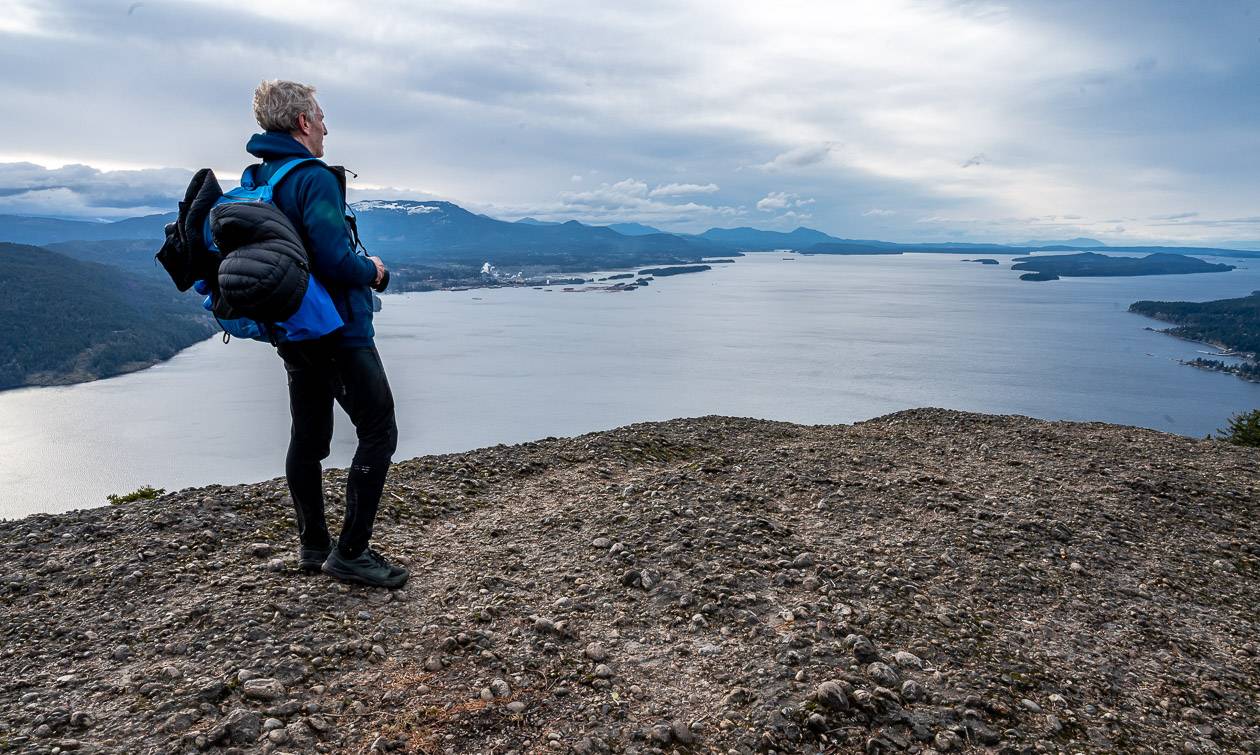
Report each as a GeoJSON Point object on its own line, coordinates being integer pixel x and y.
{"type": "Point", "coordinates": [270, 145]}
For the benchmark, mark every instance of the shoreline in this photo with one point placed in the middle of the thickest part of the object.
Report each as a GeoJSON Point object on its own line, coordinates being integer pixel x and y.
{"type": "Point", "coordinates": [586, 279]}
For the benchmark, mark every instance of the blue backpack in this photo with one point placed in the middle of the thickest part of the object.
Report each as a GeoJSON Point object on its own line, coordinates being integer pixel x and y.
{"type": "Point", "coordinates": [191, 256]}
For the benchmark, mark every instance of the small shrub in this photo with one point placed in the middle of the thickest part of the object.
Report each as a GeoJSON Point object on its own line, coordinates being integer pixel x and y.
{"type": "Point", "coordinates": [143, 493]}
{"type": "Point", "coordinates": [1243, 430]}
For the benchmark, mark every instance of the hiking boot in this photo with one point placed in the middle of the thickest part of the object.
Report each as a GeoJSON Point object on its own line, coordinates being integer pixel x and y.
{"type": "Point", "coordinates": [370, 568]}
{"type": "Point", "coordinates": [311, 559]}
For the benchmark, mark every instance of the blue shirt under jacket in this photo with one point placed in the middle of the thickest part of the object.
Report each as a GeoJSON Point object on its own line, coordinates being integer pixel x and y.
{"type": "Point", "coordinates": [312, 199]}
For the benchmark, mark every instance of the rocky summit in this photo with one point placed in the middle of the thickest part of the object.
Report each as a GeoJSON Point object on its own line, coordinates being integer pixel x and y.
{"type": "Point", "coordinates": [929, 581]}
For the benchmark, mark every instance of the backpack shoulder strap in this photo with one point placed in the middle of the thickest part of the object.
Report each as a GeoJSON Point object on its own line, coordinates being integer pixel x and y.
{"type": "Point", "coordinates": [284, 170]}
{"type": "Point", "coordinates": [255, 191]}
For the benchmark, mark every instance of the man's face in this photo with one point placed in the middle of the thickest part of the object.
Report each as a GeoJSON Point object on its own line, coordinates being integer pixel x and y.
{"type": "Point", "coordinates": [314, 131]}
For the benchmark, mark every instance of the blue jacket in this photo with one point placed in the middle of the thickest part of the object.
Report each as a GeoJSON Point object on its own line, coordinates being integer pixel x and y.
{"type": "Point", "coordinates": [312, 198]}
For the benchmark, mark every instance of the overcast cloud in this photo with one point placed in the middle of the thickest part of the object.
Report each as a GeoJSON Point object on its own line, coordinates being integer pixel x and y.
{"type": "Point", "coordinates": [1130, 121]}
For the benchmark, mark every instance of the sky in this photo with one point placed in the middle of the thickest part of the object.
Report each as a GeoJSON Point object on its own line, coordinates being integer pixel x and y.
{"type": "Point", "coordinates": [1127, 121]}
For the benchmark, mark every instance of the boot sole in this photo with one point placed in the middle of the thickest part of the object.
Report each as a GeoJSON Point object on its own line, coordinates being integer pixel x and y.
{"type": "Point", "coordinates": [359, 579]}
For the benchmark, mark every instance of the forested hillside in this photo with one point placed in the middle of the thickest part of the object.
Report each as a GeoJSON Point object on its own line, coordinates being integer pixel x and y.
{"type": "Point", "coordinates": [1232, 323]}
{"type": "Point", "coordinates": [64, 320]}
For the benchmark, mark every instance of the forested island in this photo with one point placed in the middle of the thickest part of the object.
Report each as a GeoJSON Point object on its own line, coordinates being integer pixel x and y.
{"type": "Point", "coordinates": [1090, 264]}
{"type": "Point", "coordinates": [661, 272]}
{"type": "Point", "coordinates": [1230, 324]}
{"type": "Point", "coordinates": [63, 320]}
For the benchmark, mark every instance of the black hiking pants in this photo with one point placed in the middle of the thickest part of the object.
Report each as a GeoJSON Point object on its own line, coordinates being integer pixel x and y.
{"type": "Point", "coordinates": [319, 374]}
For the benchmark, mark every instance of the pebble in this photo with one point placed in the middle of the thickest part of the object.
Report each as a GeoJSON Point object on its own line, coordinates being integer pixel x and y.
{"type": "Point", "coordinates": [260, 550]}
{"type": "Point", "coordinates": [1031, 706]}
{"type": "Point", "coordinates": [596, 652]}
{"type": "Point", "coordinates": [882, 673]}
{"type": "Point", "coordinates": [603, 671]}
{"type": "Point", "coordinates": [864, 650]}
{"type": "Point", "coordinates": [500, 688]}
{"type": "Point", "coordinates": [241, 726]}
{"type": "Point", "coordinates": [946, 741]}
{"type": "Point", "coordinates": [829, 693]}
{"type": "Point", "coordinates": [516, 707]}
{"type": "Point", "coordinates": [682, 733]}
{"type": "Point", "coordinates": [906, 659]}
{"type": "Point", "coordinates": [263, 689]}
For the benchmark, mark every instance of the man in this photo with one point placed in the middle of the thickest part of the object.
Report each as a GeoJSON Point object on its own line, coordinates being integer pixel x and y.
{"type": "Point", "coordinates": [342, 367]}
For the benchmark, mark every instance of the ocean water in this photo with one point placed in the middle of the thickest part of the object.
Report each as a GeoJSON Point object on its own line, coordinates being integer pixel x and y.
{"type": "Point", "coordinates": [807, 339]}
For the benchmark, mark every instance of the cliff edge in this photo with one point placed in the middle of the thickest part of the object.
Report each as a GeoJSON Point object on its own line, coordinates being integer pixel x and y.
{"type": "Point", "coordinates": [929, 581]}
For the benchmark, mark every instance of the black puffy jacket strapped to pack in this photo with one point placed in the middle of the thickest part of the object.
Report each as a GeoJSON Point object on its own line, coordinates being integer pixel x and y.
{"type": "Point", "coordinates": [265, 271]}
{"type": "Point", "coordinates": [184, 255]}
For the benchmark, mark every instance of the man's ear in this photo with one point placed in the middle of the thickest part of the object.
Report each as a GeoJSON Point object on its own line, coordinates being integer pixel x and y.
{"type": "Point", "coordinates": [303, 123]}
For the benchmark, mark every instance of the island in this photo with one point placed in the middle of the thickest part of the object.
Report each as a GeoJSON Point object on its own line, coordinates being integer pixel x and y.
{"type": "Point", "coordinates": [1232, 325]}
{"type": "Point", "coordinates": [1091, 264]}
{"type": "Point", "coordinates": [1039, 277]}
{"type": "Point", "coordinates": [984, 261]}
{"type": "Point", "coordinates": [661, 272]}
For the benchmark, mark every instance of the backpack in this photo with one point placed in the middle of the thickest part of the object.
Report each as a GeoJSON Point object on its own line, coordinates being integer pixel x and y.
{"type": "Point", "coordinates": [245, 257]}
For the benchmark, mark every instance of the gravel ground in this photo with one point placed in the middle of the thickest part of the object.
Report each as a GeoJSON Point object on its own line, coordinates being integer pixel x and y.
{"type": "Point", "coordinates": [929, 581]}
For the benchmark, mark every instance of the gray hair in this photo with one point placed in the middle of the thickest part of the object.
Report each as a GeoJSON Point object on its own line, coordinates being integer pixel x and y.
{"type": "Point", "coordinates": [278, 103]}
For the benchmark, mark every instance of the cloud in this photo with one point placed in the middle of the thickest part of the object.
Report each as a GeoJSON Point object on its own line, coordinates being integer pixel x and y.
{"type": "Point", "coordinates": [798, 157]}
{"type": "Point", "coordinates": [781, 200]}
{"type": "Point", "coordinates": [877, 212]}
{"type": "Point", "coordinates": [84, 191]}
{"type": "Point", "coordinates": [792, 217]}
{"type": "Point", "coordinates": [977, 159]}
{"type": "Point", "coordinates": [677, 190]}
{"type": "Point", "coordinates": [1175, 216]}
{"type": "Point", "coordinates": [622, 201]}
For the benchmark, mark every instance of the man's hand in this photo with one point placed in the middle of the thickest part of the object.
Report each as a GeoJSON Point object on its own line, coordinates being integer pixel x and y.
{"type": "Point", "coordinates": [380, 270]}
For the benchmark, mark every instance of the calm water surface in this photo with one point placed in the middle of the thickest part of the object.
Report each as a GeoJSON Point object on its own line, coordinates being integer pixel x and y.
{"type": "Point", "coordinates": [811, 340]}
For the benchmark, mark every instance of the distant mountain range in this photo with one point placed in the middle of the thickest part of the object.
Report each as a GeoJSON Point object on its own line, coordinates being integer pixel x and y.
{"type": "Point", "coordinates": [1079, 242]}
{"type": "Point", "coordinates": [442, 233]}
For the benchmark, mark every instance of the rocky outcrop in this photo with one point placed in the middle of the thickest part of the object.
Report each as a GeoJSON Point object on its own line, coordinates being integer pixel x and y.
{"type": "Point", "coordinates": [929, 581]}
